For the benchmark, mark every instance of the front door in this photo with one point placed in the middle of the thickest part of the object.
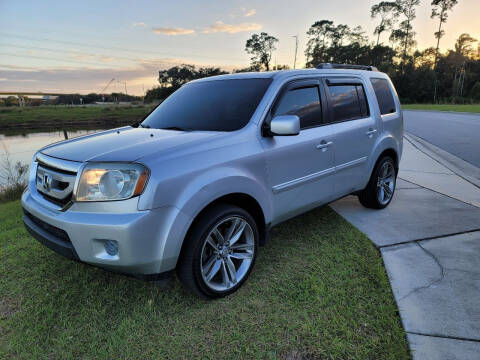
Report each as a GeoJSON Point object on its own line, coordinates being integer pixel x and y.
{"type": "Point", "coordinates": [300, 167]}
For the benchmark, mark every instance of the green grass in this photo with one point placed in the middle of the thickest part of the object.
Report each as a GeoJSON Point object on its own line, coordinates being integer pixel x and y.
{"type": "Point", "coordinates": [460, 108]}
{"type": "Point", "coordinates": [318, 291]}
{"type": "Point", "coordinates": [49, 115]}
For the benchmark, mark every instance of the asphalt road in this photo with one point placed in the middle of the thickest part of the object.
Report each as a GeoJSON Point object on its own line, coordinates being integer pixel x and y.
{"type": "Point", "coordinates": [457, 133]}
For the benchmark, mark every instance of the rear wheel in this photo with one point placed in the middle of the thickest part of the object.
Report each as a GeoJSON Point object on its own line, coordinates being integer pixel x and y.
{"type": "Point", "coordinates": [381, 186]}
{"type": "Point", "coordinates": [219, 252]}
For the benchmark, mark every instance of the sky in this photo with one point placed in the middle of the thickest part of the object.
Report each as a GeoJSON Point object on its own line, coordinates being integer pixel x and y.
{"type": "Point", "coordinates": [79, 46]}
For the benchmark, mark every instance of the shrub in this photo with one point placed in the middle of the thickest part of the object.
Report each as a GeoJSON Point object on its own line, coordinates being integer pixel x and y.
{"type": "Point", "coordinates": [13, 179]}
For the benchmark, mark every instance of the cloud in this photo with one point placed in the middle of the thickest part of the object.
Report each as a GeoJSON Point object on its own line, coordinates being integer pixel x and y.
{"type": "Point", "coordinates": [250, 12]}
{"type": "Point", "coordinates": [172, 31]}
{"type": "Point", "coordinates": [107, 59]}
{"type": "Point", "coordinates": [220, 26]}
{"type": "Point", "coordinates": [139, 24]}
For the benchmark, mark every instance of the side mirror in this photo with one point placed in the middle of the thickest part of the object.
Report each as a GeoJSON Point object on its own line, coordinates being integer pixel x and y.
{"type": "Point", "coordinates": [285, 125]}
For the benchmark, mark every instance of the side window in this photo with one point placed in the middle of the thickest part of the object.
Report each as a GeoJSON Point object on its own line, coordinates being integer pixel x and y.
{"type": "Point", "coordinates": [348, 102]}
{"type": "Point", "coordinates": [362, 99]}
{"type": "Point", "coordinates": [384, 96]}
{"type": "Point", "coordinates": [303, 102]}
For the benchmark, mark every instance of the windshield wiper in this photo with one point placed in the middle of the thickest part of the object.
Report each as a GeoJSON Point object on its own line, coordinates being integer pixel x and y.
{"type": "Point", "coordinates": [144, 126]}
{"type": "Point", "coordinates": [174, 128]}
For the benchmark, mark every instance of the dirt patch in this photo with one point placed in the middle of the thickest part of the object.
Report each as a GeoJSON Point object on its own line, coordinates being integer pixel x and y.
{"type": "Point", "coordinates": [8, 307]}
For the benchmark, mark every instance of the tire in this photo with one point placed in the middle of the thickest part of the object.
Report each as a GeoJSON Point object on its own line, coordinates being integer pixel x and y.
{"type": "Point", "coordinates": [380, 183]}
{"type": "Point", "coordinates": [205, 265]}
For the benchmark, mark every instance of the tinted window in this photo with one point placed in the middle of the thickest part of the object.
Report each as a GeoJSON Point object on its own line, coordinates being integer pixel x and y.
{"type": "Point", "coordinates": [384, 96]}
{"type": "Point", "coordinates": [348, 102]}
{"type": "Point", "coordinates": [303, 102]}
{"type": "Point", "coordinates": [362, 99]}
{"type": "Point", "coordinates": [218, 105]}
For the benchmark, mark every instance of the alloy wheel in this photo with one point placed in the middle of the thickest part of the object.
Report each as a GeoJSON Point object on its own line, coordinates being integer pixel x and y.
{"type": "Point", "coordinates": [227, 253]}
{"type": "Point", "coordinates": [385, 183]}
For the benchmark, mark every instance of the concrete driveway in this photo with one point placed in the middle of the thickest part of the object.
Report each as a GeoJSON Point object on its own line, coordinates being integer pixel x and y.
{"type": "Point", "coordinates": [429, 238]}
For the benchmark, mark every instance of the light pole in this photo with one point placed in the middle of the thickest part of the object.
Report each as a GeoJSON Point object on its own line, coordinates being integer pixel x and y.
{"type": "Point", "coordinates": [296, 49]}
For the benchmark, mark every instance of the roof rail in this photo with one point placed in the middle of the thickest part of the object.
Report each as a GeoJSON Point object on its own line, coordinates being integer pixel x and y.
{"type": "Point", "coordinates": [346, 66]}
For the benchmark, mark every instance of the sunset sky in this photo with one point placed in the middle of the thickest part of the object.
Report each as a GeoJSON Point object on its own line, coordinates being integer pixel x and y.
{"type": "Point", "coordinates": [66, 46]}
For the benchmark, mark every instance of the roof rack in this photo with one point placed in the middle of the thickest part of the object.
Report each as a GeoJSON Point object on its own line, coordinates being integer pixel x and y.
{"type": "Point", "coordinates": [346, 66]}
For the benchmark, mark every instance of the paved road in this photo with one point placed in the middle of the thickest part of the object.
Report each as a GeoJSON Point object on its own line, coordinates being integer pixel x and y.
{"type": "Point", "coordinates": [457, 133]}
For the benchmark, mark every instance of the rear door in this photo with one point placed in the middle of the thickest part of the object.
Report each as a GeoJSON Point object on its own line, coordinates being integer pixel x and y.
{"type": "Point", "coordinates": [300, 167]}
{"type": "Point", "coordinates": [355, 131]}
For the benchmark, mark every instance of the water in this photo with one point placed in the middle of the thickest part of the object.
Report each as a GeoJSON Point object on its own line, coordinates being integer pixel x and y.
{"type": "Point", "coordinates": [20, 148]}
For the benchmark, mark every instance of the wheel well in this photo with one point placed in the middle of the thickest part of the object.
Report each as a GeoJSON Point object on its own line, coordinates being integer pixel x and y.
{"type": "Point", "coordinates": [393, 154]}
{"type": "Point", "coordinates": [245, 202]}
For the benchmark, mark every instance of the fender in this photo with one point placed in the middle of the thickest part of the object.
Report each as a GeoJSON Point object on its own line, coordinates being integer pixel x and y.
{"type": "Point", "coordinates": [215, 184]}
{"type": "Point", "coordinates": [384, 143]}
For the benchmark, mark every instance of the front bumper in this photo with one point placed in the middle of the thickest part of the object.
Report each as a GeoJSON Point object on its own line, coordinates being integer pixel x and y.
{"type": "Point", "coordinates": [149, 242]}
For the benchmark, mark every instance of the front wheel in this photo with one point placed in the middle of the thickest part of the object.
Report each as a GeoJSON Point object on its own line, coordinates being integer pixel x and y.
{"type": "Point", "coordinates": [219, 252]}
{"type": "Point", "coordinates": [381, 186]}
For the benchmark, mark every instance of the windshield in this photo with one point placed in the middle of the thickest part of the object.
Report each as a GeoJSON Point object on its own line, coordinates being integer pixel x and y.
{"type": "Point", "coordinates": [218, 105]}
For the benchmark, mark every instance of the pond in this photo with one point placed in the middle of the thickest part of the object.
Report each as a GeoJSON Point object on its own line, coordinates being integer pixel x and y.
{"type": "Point", "coordinates": [21, 147]}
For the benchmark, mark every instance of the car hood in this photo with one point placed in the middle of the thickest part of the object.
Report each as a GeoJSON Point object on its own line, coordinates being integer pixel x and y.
{"type": "Point", "coordinates": [124, 144]}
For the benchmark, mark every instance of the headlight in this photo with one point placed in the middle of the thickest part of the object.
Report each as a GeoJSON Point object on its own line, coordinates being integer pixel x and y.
{"type": "Point", "coordinates": [104, 182]}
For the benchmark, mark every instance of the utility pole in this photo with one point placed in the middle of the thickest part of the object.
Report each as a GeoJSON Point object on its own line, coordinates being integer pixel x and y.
{"type": "Point", "coordinates": [296, 49]}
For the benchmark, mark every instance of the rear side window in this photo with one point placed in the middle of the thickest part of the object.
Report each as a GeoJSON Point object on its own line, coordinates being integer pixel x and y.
{"type": "Point", "coordinates": [384, 96]}
{"type": "Point", "coordinates": [303, 102]}
{"type": "Point", "coordinates": [348, 102]}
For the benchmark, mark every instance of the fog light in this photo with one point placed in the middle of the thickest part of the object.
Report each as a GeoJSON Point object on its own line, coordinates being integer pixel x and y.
{"type": "Point", "coordinates": [111, 247]}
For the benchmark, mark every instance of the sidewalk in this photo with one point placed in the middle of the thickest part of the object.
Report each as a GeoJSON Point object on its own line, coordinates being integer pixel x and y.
{"type": "Point", "coordinates": [429, 238]}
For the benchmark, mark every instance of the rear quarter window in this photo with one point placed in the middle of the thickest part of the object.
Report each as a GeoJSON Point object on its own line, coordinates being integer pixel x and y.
{"type": "Point", "coordinates": [384, 96]}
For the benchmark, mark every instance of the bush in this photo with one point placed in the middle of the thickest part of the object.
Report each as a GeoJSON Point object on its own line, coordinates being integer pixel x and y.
{"type": "Point", "coordinates": [475, 92]}
{"type": "Point", "coordinates": [13, 179]}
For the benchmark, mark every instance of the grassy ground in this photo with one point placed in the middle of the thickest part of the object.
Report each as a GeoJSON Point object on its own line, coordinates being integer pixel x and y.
{"type": "Point", "coordinates": [49, 115]}
{"type": "Point", "coordinates": [318, 291]}
{"type": "Point", "coordinates": [459, 108]}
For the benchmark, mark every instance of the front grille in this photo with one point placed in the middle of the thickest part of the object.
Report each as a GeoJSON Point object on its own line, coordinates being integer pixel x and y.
{"type": "Point", "coordinates": [55, 185]}
{"type": "Point", "coordinates": [46, 166]}
{"type": "Point", "coordinates": [52, 230]}
{"type": "Point", "coordinates": [59, 202]}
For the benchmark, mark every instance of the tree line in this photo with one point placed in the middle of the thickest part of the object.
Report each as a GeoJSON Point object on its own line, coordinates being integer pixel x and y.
{"type": "Point", "coordinates": [69, 99]}
{"type": "Point", "coordinates": [420, 76]}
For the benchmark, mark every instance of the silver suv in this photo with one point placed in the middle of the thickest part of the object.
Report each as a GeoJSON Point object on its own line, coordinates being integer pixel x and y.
{"type": "Point", "coordinates": [196, 186]}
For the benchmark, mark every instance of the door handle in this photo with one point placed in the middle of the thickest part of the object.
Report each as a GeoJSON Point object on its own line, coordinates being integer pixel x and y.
{"type": "Point", "coordinates": [370, 132]}
{"type": "Point", "coordinates": [324, 145]}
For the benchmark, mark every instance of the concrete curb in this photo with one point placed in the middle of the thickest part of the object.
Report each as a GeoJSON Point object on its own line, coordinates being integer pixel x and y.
{"type": "Point", "coordinates": [460, 167]}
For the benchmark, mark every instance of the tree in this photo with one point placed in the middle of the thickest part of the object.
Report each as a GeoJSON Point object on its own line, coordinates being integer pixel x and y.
{"type": "Point", "coordinates": [171, 79]}
{"type": "Point", "coordinates": [261, 47]}
{"type": "Point", "coordinates": [407, 9]}
{"type": "Point", "coordinates": [475, 91]}
{"type": "Point", "coordinates": [11, 101]}
{"type": "Point", "coordinates": [440, 8]}
{"type": "Point", "coordinates": [318, 35]}
{"type": "Point", "coordinates": [252, 68]}
{"type": "Point", "coordinates": [386, 11]}
{"type": "Point", "coordinates": [281, 67]}
{"type": "Point", "coordinates": [176, 76]}
{"type": "Point", "coordinates": [464, 45]}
